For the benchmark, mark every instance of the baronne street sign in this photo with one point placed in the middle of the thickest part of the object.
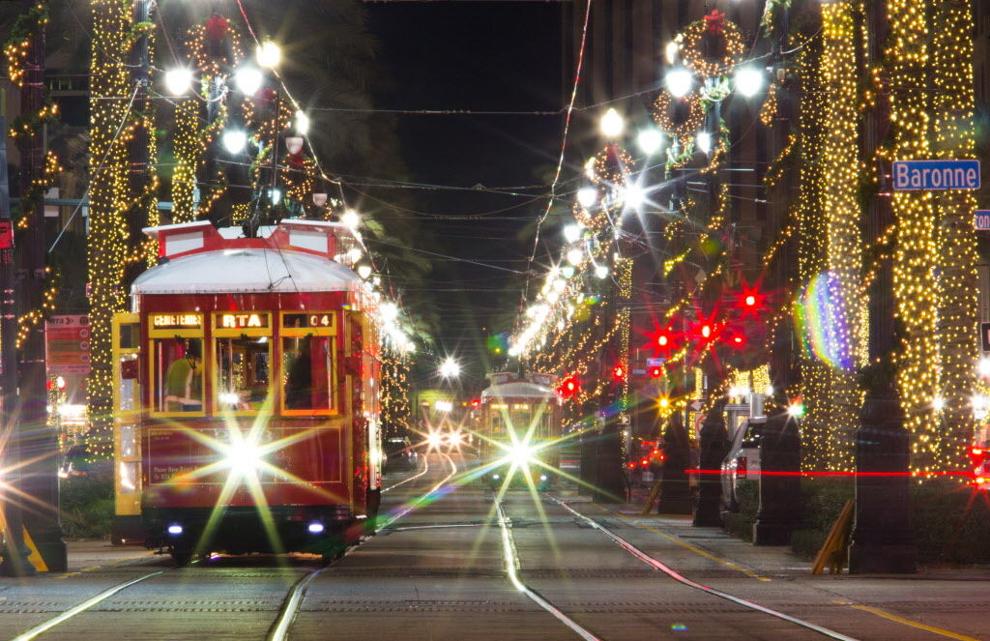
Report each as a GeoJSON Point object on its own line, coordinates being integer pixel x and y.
{"type": "Point", "coordinates": [936, 175]}
{"type": "Point", "coordinates": [981, 220]}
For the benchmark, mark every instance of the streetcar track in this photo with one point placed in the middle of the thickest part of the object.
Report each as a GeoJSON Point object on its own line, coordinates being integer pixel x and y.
{"type": "Point", "coordinates": [426, 468]}
{"type": "Point", "coordinates": [41, 628]}
{"type": "Point", "coordinates": [674, 574]}
{"type": "Point", "coordinates": [290, 604]}
{"type": "Point", "coordinates": [294, 599]}
{"type": "Point", "coordinates": [512, 568]}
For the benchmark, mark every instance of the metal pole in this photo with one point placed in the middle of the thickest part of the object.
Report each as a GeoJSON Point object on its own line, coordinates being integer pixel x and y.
{"type": "Point", "coordinates": [15, 561]}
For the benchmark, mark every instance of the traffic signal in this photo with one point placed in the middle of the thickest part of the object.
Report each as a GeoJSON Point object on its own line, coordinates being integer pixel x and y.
{"type": "Point", "coordinates": [569, 387]}
{"type": "Point", "coordinates": [656, 372]}
{"type": "Point", "coordinates": [619, 373]}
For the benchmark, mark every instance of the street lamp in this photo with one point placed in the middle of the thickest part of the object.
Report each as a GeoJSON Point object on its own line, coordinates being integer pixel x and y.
{"type": "Point", "coordinates": [612, 124]}
{"type": "Point", "coordinates": [179, 80]}
{"type": "Point", "coordinates": [748, 81]}
{"type": "Point", "coordinates": [450, 368]}
{"type": "Point", "coordinates": [572, 232]}
{"type": "Point", "coordinates": [302, 123]}
{"type": "Point", "coordinates": [704, 142]}
{"type": "Point", "coordinates": [364, 271]}
{"type": "Point", "coordinates": [587, 196]}
{"type": "Point", "coordinates": [679, 82]}
{"type": "Point", "coordinates": [350, 219]}
{"type": "Point", "coordinates": [234, 141]}
{"type": "Point", "coordinates": [649, 140]}
{"type": "Point", "coordinates": [248, 80]}
{"type": "Point", "coordinates": [269, 54]}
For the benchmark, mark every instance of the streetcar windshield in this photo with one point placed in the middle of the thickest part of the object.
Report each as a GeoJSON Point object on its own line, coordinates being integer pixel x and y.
{"type": "Point", "coordinates": [307, 370]}
{"type": "Point", "coordinates": [178, 375]}
{"type": "Point", "coordinates": [243, 373]}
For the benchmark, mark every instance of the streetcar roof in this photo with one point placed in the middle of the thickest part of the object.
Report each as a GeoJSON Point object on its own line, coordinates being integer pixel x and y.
{"type": "Point", "coordinates": [246, 270]}
{"type": "Point", "coordinates": [518, 389]}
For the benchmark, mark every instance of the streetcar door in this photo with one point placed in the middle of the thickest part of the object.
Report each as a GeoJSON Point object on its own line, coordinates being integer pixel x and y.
{"type": "Point", "coordinates": [126, 337]}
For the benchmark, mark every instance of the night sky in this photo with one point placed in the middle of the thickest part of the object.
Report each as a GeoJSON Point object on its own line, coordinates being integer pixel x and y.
{"type": "Point", "coordinates": [501, 56]}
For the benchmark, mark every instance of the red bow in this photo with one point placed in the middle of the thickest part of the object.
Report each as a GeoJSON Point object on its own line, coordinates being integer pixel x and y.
{"type": "Point", "coordinates": [216, 28]}
{"type": "Point", "coordinates": [715, 22]}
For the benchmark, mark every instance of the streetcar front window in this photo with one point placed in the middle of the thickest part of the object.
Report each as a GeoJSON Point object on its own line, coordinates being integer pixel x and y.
{"type": "Point", "coordinates": [243, 373]}
{"type": "Point", "coordinates": [178, 375]}
{"type": "Point", "coordinates": [307, 373]}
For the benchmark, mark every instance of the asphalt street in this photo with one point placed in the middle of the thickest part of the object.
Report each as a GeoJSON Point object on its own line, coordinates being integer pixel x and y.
{"type": "Point", "coordinates": [453, 562]}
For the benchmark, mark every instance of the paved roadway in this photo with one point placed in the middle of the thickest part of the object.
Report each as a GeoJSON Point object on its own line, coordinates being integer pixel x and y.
{"type": "Point", "coordinates": [438, 572]}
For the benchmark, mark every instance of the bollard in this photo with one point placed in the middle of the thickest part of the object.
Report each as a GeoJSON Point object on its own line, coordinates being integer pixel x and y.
{"type": "Point", "coordinates": [780, 495]}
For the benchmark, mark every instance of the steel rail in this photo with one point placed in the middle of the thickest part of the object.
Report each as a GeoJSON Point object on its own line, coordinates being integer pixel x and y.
{"type": "Point", "coordinates": [426, 468]}
{"type": "Point", "coordinates": [512, 567]}
{"type": "Point", "coordinates": [41, 628]}
{"type": "Point", "coordinates": [294, 599]}
{"type": "Point", "coordinates": [674, 574]}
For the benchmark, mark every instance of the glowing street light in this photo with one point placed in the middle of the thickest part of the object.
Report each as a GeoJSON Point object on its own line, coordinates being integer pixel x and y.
{"type": "Point", "coordinates": [450, 368]}
{"type": "Point", "coordinates": [234, 141]}
{"type": "Point", "coordinates": [269, 54]}
{"type": "Point", "coordinates": [572, 232]}
{"type": "Point", "coordinates": [179, 80]}
{"type": "Point", "coordinates": [350, 219]}
{"type": "Point", "coordinates": [650, 141]}
{"type": "Point", "coordinates": [612, 124]}
{"type": "Point", "coordinates": [633, 196]}
{"type": "Point", "coordinates": [748, 81]}
{"type": "Point", "coordinates": [248, 80]}
{"type": "Point", "coordinates": [302, 123]}
{"type": "Point", "coordinates": [587, 196]}
{"type": "Point", "coordinates": [574, 256]}
{"type": "Point", "coordinates": [679, 82]}
{"type": "Point", "coordinates": [704, 142]}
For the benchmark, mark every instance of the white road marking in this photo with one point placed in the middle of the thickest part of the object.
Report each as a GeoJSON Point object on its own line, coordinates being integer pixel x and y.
{"type": "Point", "coordinates": [426, 468]}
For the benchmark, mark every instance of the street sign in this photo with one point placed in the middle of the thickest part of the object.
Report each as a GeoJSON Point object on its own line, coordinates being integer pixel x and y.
{"type": "Point", "coordinates": [936, 175]}
{"type": "Point", "coordinates": [985, 336]}
{"type": "Point", "coordinates": [981, 221]}
{"type": "Point", "coordinates": [655, 362]}
{"type": "Point", "coordinates": [67, 344]}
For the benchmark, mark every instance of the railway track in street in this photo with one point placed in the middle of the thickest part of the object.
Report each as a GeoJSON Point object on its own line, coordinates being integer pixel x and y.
{"type": "Point", "coordinates": [286, 611]}
{"type": "Point", "coordinates": [663, 568]}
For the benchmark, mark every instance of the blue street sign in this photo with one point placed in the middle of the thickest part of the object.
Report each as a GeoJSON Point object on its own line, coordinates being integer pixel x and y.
{"type": "Point", "coordinates": [936, 175]}
{"type": "Point", "coordinates": [981, 221]}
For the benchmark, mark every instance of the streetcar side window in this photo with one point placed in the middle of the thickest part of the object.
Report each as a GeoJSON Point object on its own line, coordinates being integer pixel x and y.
{"type": "Point", "coordinates": [243, 373]}
{"type": "Point", "coordinates": [307, 373]}
{"type": "Point", "coordinates": [177, 371]}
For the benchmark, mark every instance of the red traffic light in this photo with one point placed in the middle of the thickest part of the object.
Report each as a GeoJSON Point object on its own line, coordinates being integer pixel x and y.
{"type": "Point", "coordinates": [619, 373]}
{"type": "Point", "coordinates": [656, 372]}
{"type": "Point", "coordinates": [569, 387]}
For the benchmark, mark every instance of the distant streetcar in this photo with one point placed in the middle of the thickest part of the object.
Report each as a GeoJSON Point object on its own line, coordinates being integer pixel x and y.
{"type": "Point", "coordinates": [246, 402]}
{"type": "Point", "coordinates": [520, 427]}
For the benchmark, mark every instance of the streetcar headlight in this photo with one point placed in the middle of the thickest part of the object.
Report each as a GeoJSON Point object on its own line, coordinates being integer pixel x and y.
{"type": "Point", "coordinates": [520, 454]}
{"type": "Point", "coordinates": [315, 527]}
{"type": "Point", "coordinates": [435, 439]}
{"type": "Point", "coordinates": [244, 458]}
{"type": "Point", "coordinates": [175, 529]}
{"type": "Point", "coordinates": [456, 438]}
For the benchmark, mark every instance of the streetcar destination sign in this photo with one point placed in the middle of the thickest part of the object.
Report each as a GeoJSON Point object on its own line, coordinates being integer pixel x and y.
{"type": "Point", "coordinates": [936, 175]}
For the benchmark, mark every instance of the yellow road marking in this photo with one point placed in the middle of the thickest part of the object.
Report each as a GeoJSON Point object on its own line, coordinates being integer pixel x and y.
{"type": "Point", "coordinates": [890, 616]}
{"type": "Point", "coordinates": [700, 551]}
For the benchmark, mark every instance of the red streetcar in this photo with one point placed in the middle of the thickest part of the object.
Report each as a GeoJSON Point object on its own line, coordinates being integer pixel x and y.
{"type": "Point", "coordinates": [246, 395]}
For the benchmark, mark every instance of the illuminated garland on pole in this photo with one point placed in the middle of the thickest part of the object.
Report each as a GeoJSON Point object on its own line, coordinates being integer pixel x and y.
{"type": "Point", "coordinates": [840, 169]}
{"type": "Point", "coordinates": [916, 299]}
{"type": "Point", "coordinates": [189, 148]}
{"type": "Point", "coordinates": [111, 97]}
{"type": "Point", "coordinates": [953, 106]}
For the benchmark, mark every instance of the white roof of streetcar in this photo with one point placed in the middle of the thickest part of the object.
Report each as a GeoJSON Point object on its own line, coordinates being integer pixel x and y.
{"type": "Point", "coordinates": [239, 270]}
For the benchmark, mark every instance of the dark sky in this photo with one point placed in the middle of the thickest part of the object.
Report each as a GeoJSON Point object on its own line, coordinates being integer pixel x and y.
{"type": "Point", "coordinates": [501, 56]}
